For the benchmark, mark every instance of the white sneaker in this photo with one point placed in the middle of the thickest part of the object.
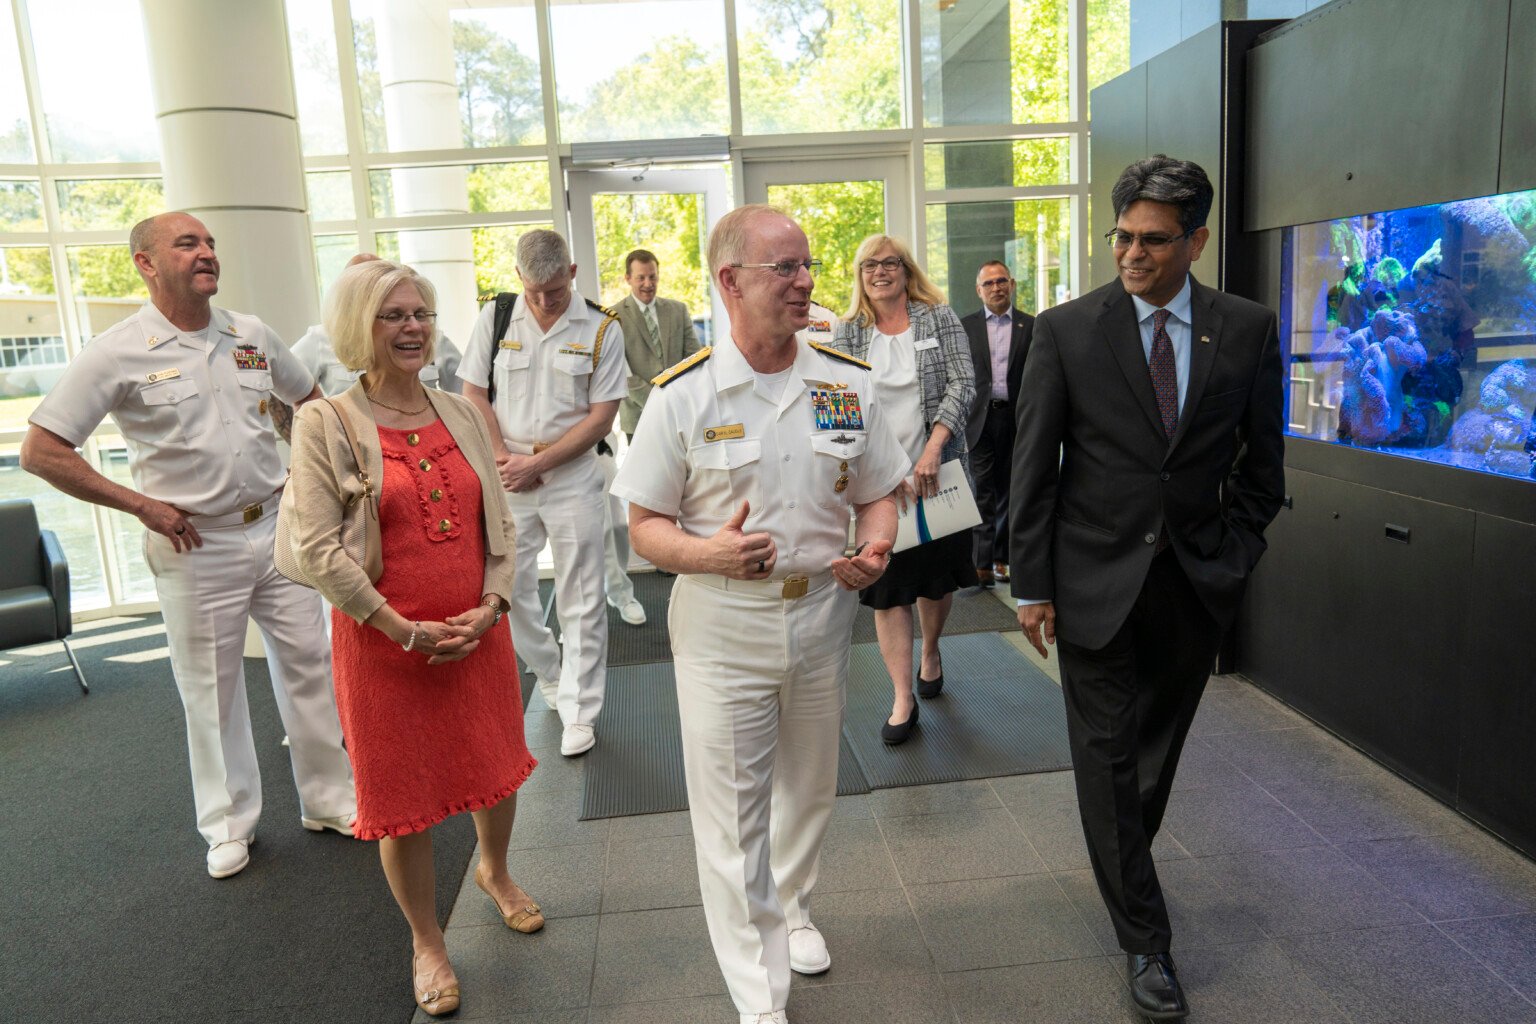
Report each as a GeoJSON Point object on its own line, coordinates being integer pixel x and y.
{"type": "Point", "coordinates": [776, 1017]}
{"type": "Point", "coordinates": [229, 857]}
{"type": "Point", "coordinates": [342, 823]}
{"type": "Point", "coordinates": [577, 739]}
{"type": "Point", "coordinates": [632, 612]}
{"type": "Point", "coordinates": [808, 951]}
{"type": "Point", "coordinates": [549, 691]}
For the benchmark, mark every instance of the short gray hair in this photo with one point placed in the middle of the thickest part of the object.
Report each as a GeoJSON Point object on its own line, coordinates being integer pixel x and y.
{"type": "Point", "coordinates": [728, 241]}
{"type": "Point", "coordinates": [1162, 179]}
{"type": "Point", "coordinates": [143, 234]}
{"type": "Point", "coordinates": [542, 256]}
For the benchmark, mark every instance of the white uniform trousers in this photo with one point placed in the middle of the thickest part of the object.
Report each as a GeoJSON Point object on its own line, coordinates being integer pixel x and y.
{"type": "Point", "coordinates": [206, 596]}
{"type": "Point", "coordinates": [621, 589]}
{"type": "Point", "coordinates": [567, 511]}
{"type": "Point", "coordinates": [760, 695]}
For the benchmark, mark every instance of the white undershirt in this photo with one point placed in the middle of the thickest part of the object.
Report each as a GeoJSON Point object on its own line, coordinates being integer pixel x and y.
{"type": "Point", "coordinates": [771, 385]}
{"type": "Point", "coordinates": [894, 373]}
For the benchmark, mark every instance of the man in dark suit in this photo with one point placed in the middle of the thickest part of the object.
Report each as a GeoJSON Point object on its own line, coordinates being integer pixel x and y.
{"type": "Point", "coordinates": [1148, 462]}
{"type": "Point", "coordinates": [999, 342]}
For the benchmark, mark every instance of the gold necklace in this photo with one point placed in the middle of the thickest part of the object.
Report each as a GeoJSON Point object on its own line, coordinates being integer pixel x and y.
{"type": "Point", "coordinates": [403, 412]}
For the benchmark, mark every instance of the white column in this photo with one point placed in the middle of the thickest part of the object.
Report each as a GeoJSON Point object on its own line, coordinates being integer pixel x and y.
{"type": "Point", "coordinates": [229, 148]}
{"type": "Point", "coordinates": [421, 111]}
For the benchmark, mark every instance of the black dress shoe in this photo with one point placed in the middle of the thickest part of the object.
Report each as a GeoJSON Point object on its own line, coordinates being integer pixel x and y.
{"type": "Point", "coordinates": [895, 734]}
{"type": "Point", "coordinates": [930, 687]}
{"type": "Point", "coordinates": [1155, 987]}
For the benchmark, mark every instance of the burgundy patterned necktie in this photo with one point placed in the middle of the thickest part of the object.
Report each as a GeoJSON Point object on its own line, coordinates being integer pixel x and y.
{"type": "Point", "coordinates": [1165, 375]}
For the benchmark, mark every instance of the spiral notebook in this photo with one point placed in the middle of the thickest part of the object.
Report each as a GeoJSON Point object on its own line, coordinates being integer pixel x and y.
{"type": "Point", "coordinates": [951, 510]}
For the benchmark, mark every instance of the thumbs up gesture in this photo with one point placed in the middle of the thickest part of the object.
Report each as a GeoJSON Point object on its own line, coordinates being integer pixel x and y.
{"type": "Point", "coordinates": [738, 555]}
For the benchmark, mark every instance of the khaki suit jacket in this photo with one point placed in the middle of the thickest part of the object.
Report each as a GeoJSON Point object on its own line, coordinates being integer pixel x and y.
{"type": "Point", "coordinates": [326, 479]}
{"type": "Point", "coordinates": [648, 356]}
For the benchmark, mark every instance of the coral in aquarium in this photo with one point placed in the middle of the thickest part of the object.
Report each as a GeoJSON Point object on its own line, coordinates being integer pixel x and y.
{"type": "Point", "coordinates": [1498, 429]}
{"type": "Point", "coordinates": [1491, 224]}
{"type": "Point", "coordinates": [1376, 359]}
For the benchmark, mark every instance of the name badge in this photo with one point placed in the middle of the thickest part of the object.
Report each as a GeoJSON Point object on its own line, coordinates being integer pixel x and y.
{"type": "Point", "coordinates": [171, 374]}
{"type": "Point", "coordinates": [509, 344]}
{"type": "Point", "coordinates": [926, 344]}
{"type": "Point", "coordinates": [729, 432]}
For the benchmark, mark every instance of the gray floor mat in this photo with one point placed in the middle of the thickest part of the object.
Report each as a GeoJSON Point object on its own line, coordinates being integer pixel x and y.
{"type": "Point", "coordinates": [998, 715]}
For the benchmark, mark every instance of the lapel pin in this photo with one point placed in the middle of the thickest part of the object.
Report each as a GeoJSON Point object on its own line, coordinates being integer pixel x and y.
{"type": "Point", "coordinates": [1205, 339]}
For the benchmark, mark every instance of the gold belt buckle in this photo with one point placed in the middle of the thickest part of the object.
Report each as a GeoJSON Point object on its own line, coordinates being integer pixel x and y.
{"type": "Point", "coordinates": [539, 446]}
{"type": "Point", "coordinates": [252, 513]}
{"type": "Point", "coordinates": [796, 586]}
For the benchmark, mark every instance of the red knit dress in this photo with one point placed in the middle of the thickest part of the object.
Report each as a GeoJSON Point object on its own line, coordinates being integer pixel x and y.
{"type": "Point", "coordinates": [427, 741]}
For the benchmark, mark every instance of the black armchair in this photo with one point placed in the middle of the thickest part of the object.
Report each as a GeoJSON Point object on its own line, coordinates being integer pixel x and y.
{"type": "Point", "coordinates": [34, 584]}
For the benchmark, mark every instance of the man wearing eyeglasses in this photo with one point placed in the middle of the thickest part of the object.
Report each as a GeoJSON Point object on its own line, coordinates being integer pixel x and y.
{"type": "Point", "coordinates": [1149, 461]}
{"type": "Point", "coordinates": [189, 385]}
{"type": "Point", "coordinates": [999, 336]}
{"type": "Point", "coordinates": [558, 372]}
{"type": "Point", "coordinates": [747, 462]}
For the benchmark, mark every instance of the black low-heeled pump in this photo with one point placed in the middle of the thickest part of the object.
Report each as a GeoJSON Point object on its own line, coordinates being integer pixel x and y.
{"type": "Point", "coordinates": [927, 688]}
{"type": "Point", "coordinates": [895, 734]}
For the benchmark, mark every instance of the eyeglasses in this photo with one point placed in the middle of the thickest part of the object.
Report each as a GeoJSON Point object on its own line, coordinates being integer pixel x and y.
{"type": "Point", "coordinates": [395, 317]}
{"type": "Point", "coordinates": [786, 268]}
{"type": "Point", "coordinates": [889, 263]}
{"type": "Point", "coordinates": [1149, 243]}
{"type": "Point", "coordinates": [995, 281]}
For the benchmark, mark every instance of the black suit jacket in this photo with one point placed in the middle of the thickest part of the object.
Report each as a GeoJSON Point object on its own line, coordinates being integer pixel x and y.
{"type": "Point", "coordinates": [981, 357]}
{"type": "Point", "coordinates": [1095, 479]}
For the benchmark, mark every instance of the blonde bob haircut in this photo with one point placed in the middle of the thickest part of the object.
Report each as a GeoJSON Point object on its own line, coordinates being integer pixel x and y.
{"type": "Point", "coordinates": [919, 288]}
{"type": "Point", "coordinates": [354, 301]}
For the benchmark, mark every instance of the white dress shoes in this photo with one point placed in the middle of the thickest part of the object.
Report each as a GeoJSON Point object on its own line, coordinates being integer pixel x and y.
{"type": "Point", "coordinates": [776, 1017]}
{"type": "Point", "coordinates": [550, 691]}
{"type": "Point", "coordinates": [577, 739]}
{"type": "Point", "coordinates": [342, 824]}
{"type": "Point", "coordinates": [229, 857]}
{"type": "Point", "coordinates": [808, 951]}
{"type": "Point", "coordinates": [632, 612]}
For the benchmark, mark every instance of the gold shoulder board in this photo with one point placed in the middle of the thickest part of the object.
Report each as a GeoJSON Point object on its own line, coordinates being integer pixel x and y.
{"type": "Point", "coordinates": [835, 354]}
{"type": "Point", "coordinates": [676, 370]}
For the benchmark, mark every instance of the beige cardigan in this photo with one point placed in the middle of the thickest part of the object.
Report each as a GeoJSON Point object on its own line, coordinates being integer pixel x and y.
{"type": "Point", "coordinates": [324, 478]}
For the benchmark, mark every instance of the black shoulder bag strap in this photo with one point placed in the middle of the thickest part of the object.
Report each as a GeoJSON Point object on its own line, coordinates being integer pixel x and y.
{"type": "Point", "coordinates": [504, 303]}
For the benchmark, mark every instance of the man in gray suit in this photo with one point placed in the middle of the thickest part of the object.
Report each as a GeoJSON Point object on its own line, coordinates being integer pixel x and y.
{"type": "Point", "coordinates": [999, 336]}
{"type": "Point", "coordinates": [657, 333]}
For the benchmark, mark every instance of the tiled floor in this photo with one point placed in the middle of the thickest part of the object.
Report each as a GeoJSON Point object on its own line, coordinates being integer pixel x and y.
{"type": "Point", "coordinates": [1305, 884]}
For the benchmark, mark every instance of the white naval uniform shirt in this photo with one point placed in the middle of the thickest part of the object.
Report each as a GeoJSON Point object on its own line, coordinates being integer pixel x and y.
{"type": "Point", "coordinates": [779, 461]}
{"type": "Point", "coordinates": [193, 412]}
{"type": "Point", "coordinates": [546, 383]}
{"type": "Point", "coordinates": [317, 354]}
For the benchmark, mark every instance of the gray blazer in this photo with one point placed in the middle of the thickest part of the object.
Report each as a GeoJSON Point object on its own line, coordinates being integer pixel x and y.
{"type": "Point", "coordinates": [647, 357]}
{"type": "Point", "coordinates": [947, 377]}
{"type": "Point", "coordinates": [325, 478]}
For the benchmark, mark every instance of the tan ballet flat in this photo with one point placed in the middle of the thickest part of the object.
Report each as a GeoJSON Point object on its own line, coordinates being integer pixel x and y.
{"type": "Point", "coordinates": [433, 1001]}
{"type": "Point", "coordinates": [527, 920]}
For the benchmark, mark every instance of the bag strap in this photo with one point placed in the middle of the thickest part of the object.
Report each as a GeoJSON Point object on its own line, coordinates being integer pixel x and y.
{"type": "Point", "coordinates": [357, 455]}
{"type": "Point", "coordinates": [504, 302]}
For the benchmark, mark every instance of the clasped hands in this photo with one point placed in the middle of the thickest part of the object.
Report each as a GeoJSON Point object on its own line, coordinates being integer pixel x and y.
{"type": "Point", "coordinates": [752, 556]}
{"type": "Point", "coordinates": [456, 637]}
{"type": "Point", "coordinates": [518, 473]}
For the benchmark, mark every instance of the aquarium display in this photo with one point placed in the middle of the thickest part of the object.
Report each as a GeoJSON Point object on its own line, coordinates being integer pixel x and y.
{"type": "Point", "coordinates": [1413, 332]}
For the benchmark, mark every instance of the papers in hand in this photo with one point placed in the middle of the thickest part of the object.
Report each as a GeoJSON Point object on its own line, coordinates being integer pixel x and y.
{"type": "Point", "coordinates": [951, 510]}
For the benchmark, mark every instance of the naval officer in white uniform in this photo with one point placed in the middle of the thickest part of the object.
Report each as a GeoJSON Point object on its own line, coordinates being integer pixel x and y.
{"type": "Point", "coordinates": [559, 376]}
{"type": "Point", "coordinates": [745, 466]}
{"type": "Point", "coordinates": [189, 386]}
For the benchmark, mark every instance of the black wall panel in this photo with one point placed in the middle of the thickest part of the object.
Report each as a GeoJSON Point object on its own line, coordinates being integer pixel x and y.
{"type": "Point", "coordinates": [1498, 683]}
{"type": "Point", "coordinates": [1367, 105]}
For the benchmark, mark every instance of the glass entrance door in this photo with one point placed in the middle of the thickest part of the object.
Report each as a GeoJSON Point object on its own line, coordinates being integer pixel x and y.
{"type": "Point", "coordinates": [665, 211]}
{"type": "Point", "coordinates": [838, 203]}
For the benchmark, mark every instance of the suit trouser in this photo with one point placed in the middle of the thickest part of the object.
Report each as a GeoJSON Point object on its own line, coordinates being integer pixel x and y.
{"type": "Point", "coordinates": [760, 696]}
{"type": "Point", "coordinates": [567, 511]}
{"type": "Point", "coordinates": [992, 467]}
{"type": "Point", "coordinates": [1129, 708]}
{"type": "Point", "coordinates": [206, 596]}
{"type": "Point", "coordinates": [616, 579]}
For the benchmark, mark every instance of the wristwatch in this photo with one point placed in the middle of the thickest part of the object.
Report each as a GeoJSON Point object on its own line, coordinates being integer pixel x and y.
{"type": "Point", "coordinates": [494, 604]}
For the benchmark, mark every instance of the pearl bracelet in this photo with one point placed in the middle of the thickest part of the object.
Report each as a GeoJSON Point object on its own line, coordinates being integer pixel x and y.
{"type": "Point", "coordinates": [415, 631]}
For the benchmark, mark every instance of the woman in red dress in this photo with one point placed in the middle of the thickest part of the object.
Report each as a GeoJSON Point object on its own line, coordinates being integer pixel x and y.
{"type": "Point", "coordinates": [426, 683]}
